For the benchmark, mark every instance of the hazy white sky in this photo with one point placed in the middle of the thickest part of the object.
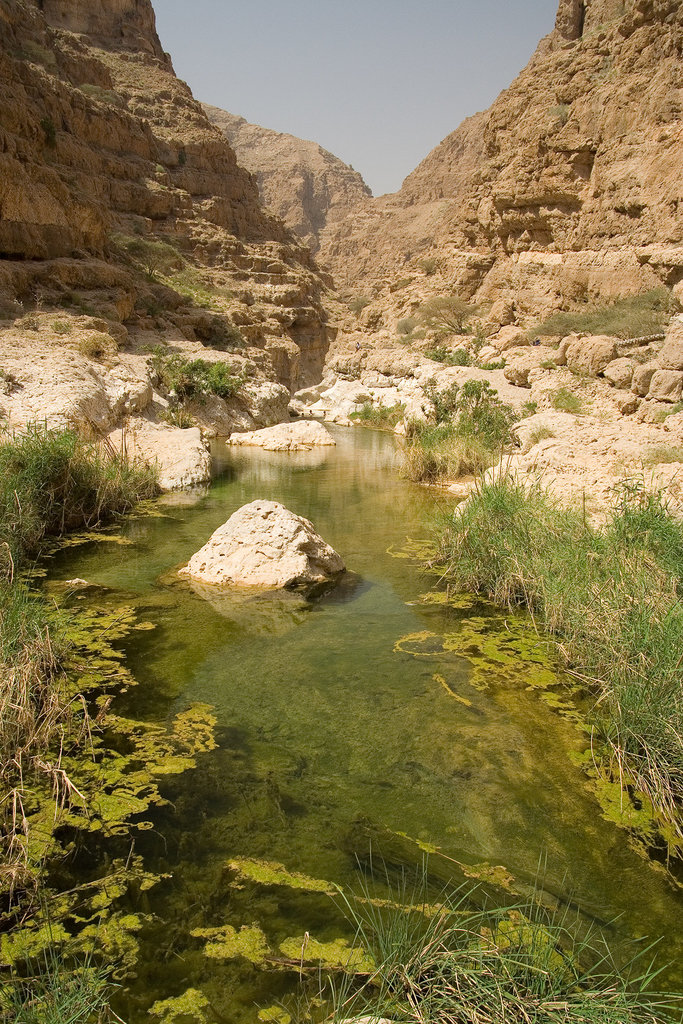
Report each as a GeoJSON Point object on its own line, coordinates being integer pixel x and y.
{"type": "Point", "coordinates": [377, 82]}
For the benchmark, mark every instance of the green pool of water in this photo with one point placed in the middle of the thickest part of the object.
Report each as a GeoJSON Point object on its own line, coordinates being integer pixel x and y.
{"type": "Point", "coordinates": [366, 718]}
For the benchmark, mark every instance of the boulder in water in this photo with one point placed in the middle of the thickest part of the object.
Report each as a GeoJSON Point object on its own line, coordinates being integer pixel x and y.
{"type": "Point", "coordinates": [263, 544]}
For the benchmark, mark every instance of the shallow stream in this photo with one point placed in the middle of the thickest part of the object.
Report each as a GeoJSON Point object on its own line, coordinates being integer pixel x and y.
{"type": "Point", "coordinates": [369, 717]}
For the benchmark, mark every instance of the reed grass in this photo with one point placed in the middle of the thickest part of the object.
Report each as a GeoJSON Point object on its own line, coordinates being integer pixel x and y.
{"type": "Point", "coordinates": [611, 597]}
{"type": "Point", "coordinates": [57, 992]}
{"type": "Point", "coordinates": [472, 428]}
{"type": "Point", "coordinates": [50, 482]}
{"type": "Point", "coordinates": [454, 962]}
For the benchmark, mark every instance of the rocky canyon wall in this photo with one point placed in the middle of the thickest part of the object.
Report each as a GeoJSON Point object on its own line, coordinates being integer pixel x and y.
{"type": "Point", "coordinates": [567, 189]}
{"type": "Point", "coordinates": [99, 140]}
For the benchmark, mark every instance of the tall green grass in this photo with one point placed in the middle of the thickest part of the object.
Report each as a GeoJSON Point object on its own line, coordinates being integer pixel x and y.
{"type": "Point", "coordinates": [58, 993]}
{"type": "Point", "coordinates": [384, 417]}
{"type": "Point", "coordinates": [447, 961]}
{"type": "Point", "coordinates": [472, 428]}
{"type": "Point", "coordinates": [50, 482]}
{"type": "Point", "coordinates": [612, 599]}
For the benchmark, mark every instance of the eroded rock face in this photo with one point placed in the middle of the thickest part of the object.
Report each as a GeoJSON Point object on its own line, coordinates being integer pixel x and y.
{"type": "Point", "coordinates": [286, 437]}
{"type": "Point", "coordinates": [263, 544]}
{"type": "Point", "coordinates": [101, 144]}
{"type": "Point", "coordinates": [298, 180]}
{"type": "Point", "coordinates": [564, 189]}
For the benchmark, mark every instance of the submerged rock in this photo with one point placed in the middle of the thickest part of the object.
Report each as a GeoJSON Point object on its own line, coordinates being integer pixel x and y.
{"type": "Point", "coordinates": [263, 544]}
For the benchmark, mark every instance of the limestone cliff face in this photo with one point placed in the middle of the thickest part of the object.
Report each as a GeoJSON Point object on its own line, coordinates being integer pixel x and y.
{"type": "Point", "coordinates": [298, 180]}
{"type": "Point", "coordinates": [126, 23]}
{"type": "Point", "coordinates": [98, 138]}
{"type": "Point", "coordinates": [567, 188]}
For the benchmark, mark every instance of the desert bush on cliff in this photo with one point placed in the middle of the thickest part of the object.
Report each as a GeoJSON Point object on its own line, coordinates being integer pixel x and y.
{"type": "Point", "coordinates": [429, 265]}
{"type": "Point", "coordinates": [611, 597]}
{"type": "Point", "coordinates": [447, 313]}
{"type": "Point", "coordinates": [96, 92]}
{"type": "Point", "coordinates": [636, 316]}
{"type": "Point", "coordinates": [472, 428]}
{"type": "Point", "coordinates": [460, 357]}
{"type": "Point", "coordinates": [358, 304]}
{"type": "Point", "coordinates": [150, 255]}
{"type": "Point", "coordinates": [192, 378]}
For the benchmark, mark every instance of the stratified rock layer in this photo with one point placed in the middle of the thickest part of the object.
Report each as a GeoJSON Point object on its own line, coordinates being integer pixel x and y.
{"type": "Point", "coordinates": [263, 544]}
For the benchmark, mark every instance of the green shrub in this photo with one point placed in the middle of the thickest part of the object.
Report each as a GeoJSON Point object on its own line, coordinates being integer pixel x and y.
{"type": "Point", "coordinates": [663, 454]}
{"type": "Point", "coordinates": [564, 400]}
{"type": "Point", "coordinates": [448, 313]}
{"type": "Point", "coordinates": [399, 285]}
{"type": "Point", "coordinates": [460, 357]}
{"type": "Point", "coordinates": [178, 417]}
{"type": "Point", "coordinates": [406, 326]}
{"type": "Point", "coordinates": [62, 327]}
{"type": "Point", "coordinates": [540, 434]}
{"type": "Point", "coordinates": [612, 597]}
{"type": "Point", "coordinates": [97, 346]}
{"type": "Point", "coordinates": [96, 92]}
{"type": "Point", "coordinates": [29, 322]}
{"type": "Point", "coordinates": [150, 255]}
{"type": "Point", "coordinates": [429, 265]}
{"type": "Point", "coordinates": [636, 316]}
{"type": "Point", "coordinates": [472, 428]}
{"type": "Point", "coordinates": [382, 417]}
{"type": "Point", "coordinates": [194, 378]}
{"type": "Point", "coordinates": [560, 113]}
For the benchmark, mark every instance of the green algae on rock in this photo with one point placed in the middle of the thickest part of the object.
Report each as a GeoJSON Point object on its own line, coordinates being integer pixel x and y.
{"type": "Point", "coordinates": [266, 872]}
{"type": "Point", "coordinates": [227, 943]}
{"type": "Point", "coordinates": [192, 1007]}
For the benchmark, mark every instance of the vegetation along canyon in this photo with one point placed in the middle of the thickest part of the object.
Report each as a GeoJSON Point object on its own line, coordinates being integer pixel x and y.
{"type": "Point", "coordinates": [341, 544]}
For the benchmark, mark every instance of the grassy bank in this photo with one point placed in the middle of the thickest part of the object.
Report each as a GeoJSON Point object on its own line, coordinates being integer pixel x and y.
{"type": "Point", "coordinates": [381, 417]}
{"type": "Point", "coordinates": [445, 961]}
{"type": "Point", "coordinates": [612, 599]}
{"type": "Point", "coordinates": [50, 482]}
{"type": "Point", "coordinates": [472, 428]}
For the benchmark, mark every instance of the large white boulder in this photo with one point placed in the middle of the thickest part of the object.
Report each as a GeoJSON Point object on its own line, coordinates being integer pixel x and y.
{"type": "Point", "coordinates": [263, 544]}
{"type": "Point", "coordinates": [181, 456]}
{"type": "Point", "coordinates": [286, 437]}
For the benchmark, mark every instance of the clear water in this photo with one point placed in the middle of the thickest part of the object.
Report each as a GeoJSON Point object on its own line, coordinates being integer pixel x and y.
{"type": "Point", "coordinates": [334, 735]}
